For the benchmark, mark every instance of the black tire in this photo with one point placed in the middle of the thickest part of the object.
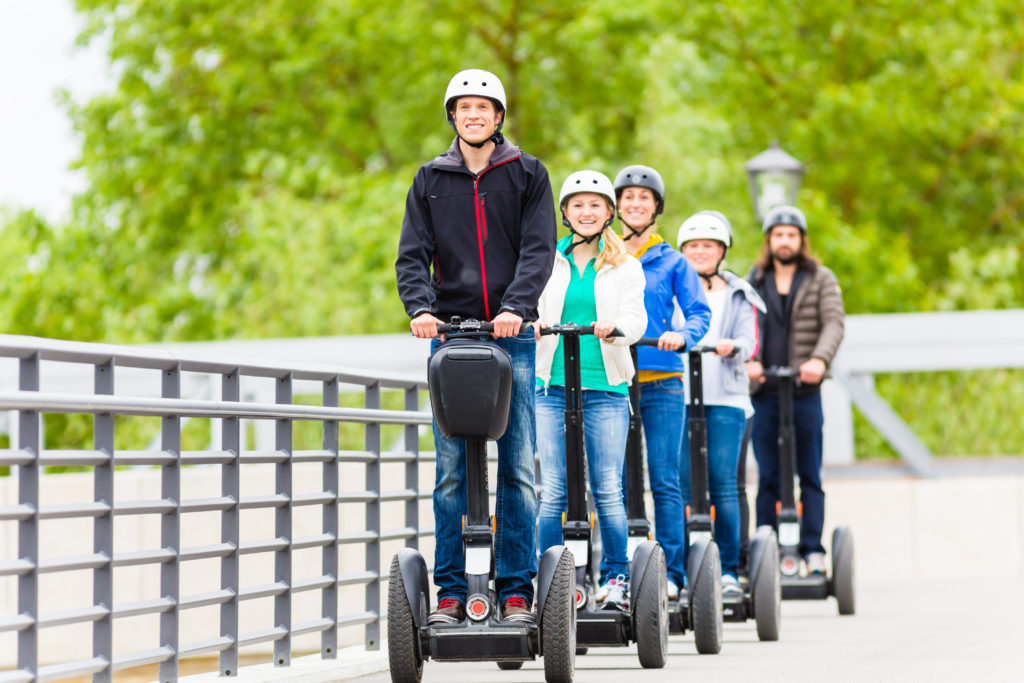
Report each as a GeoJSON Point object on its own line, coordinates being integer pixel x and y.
{"type": "Point", "coordinates": [510, 666]}
{"type": "Point", "coordinates": [767, 589]}
{"type": "Point", "coordinates": [650, 613]}
{"type": "Point", "coordinates": [706, 603]}
{"type": "Point", "coordinates": [404, 658]}
{"type": "Point", "coordinates": [558, 623]}
{"type": "Point", "coordinates": [842, 570]}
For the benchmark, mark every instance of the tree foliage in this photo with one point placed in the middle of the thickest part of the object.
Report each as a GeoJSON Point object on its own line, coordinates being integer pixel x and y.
{"type": "Point", "coordinates": [246, 176]}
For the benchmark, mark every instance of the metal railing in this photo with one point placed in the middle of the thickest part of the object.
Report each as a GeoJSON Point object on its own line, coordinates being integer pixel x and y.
{"type": "Point", "coordinates": [28, 458]}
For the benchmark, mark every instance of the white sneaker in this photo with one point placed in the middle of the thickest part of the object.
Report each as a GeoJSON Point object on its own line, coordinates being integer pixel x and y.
{"type": "Point", "coordinates": [816, 563]}
{"type": "Point", "coordinates": [616, 593]}
{"type": "Point", "coordinates": [730, 586]}
{"type": "Point", "coordinates": [673, 590]}
{"type": "Point", "coordinates": [601, 594]}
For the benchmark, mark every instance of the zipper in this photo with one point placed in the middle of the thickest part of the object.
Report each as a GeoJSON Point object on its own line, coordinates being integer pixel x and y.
{"type": "Point", "coordinates": [481, 229]}
{"type": "Point", "coordinates": [483, 215]}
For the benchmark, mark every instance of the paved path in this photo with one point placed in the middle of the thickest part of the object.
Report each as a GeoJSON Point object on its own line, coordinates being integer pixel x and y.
{"type": "Point", "coordinates": [934, 631]}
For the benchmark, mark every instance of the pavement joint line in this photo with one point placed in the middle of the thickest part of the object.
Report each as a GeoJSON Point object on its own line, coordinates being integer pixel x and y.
{"type": "Point", "coordinates": [351, 662]}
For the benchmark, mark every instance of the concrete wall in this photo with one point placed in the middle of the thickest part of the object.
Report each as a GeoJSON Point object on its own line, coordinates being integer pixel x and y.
{"type": "Point", "coordinates": [969, 527]}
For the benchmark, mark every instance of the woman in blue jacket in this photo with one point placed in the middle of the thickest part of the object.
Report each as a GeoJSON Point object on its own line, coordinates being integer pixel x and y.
{"type": "Point", "coordinates": [670, 283]}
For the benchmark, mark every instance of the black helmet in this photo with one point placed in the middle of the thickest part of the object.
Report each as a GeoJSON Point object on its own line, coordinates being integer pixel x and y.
{"type": "Point", "coordinates": [784, 215]}
{"type": "Point", "coordinates": [642, 176]}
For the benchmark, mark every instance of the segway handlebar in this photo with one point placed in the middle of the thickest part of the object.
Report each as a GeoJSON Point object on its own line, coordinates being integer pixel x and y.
{"type": "Point", "coordinates": [465, 326]}
{"type": "Point", "coordinates": [457, 325]}
{"type": "Point", "coordinates": [700, 348]}
{"type": "Point", "coordinates": [571, 328]}
{"type": "Point", "coordinates": [781, 372]}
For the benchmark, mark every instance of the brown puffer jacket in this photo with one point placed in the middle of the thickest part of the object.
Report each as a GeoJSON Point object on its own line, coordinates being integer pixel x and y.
{"type": "Point", "coordinates": [816, 318]}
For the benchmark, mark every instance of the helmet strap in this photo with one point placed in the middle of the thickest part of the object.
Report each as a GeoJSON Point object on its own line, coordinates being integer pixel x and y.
{"type": "Point", "coordinates": [497, 138]}
{"type": "Point", "coordinates": [636, 233]}
{"type": "Point", "coordinates": [583, 239]}
{"type": "Point", "coordinates": [717, 272]}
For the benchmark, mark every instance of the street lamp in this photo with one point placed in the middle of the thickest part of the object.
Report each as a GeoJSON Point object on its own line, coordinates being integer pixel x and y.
{"type": "Point", "coordinates": [774, 179]}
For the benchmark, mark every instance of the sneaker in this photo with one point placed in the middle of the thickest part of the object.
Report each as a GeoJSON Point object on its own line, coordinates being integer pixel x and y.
{"type": "Point", "coordinates": [816, 563]}
{"type": "Point", "coordinates": [730, 585]}
{"type": "Point", "coordinates": [616, 593]}
{"type": "Point", "coordinates": [601, 594]}
{"type": "Point", "coordinates": [449, 611]}
{"type": "Point", "coordinates": [516, 609]}
{"type": "Point", "coordinates": [673, 590]}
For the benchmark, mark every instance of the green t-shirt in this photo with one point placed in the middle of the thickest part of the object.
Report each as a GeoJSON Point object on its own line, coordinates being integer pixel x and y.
{"type": "Point", "coordinates": [580, 308]}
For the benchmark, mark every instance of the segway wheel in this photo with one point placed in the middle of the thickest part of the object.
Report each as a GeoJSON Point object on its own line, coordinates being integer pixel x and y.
{"type": "Point", "coordinates": [706, 605]}
{"type": "Point", "coordinates": [650, 613]}
{"type": "Point", "coordinates": [767, 590]}
{"type": "Point", "coordinates": [842, 569]}
{"type": "Point", "coordinates": [404, 658]}
{"type": "Point", "coordinates": [558, 623]}
{"type": "Point", "coordinates": [510, 666]}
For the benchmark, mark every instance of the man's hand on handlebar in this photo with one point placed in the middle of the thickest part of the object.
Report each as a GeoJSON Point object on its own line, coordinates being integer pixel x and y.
{"type": "Point", "coordinates": [537, 327]}
{"type": "Point", "coordinates": [671, 341]}
{"type": "Point", "coordinates": [425, 325]}
{"type": "Point", "coordinates": [755, 371]}
{"type": "Point", "coordinates": [812, 371]}
{"type": "Point", "coordinates": [506, 324]}
{"type": "Point", "coordinates": [602, 328]}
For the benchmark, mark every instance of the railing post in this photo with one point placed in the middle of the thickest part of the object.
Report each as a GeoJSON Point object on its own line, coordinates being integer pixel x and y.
{"type": "Point", "coordinates": [412, 468]}
{"type": "Point", "coordinates": [103, 526]}
{"type": "Point", "coordinates": [30, 439]}
{"type": "Point", "coordinates": [170, 526]}
{"type": "Point", "coordinates": [283, 529]}
{"type": "Point", "coordinates": [372, 634]}
{"type": "Point", "coordinates": [230, 487]}
{"type": "Point", "coordinates": [329, 638]}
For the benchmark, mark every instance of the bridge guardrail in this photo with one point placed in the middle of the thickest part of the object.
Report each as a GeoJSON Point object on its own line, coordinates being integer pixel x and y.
{"type": "Point", "coordinates": [29, 457]}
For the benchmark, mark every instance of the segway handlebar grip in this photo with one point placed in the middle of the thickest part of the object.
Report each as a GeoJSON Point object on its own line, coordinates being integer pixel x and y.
{"type": "Point", "coordinates": [571, 328]}
{"type": "Point", "coordinates": [783, 372]}
{"type": "Point", "coordinates": [653, 341]}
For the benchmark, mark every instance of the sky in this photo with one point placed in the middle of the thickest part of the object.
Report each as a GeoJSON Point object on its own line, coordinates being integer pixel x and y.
{"type": "Point", "coordinates": [38, 56]}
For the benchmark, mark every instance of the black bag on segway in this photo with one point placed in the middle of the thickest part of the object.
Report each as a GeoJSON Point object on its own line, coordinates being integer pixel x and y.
{"type": "Point", "coordinates": [470, 386]}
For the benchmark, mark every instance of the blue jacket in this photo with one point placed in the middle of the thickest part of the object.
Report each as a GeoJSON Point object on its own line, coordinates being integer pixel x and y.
{"type": "Point", "coordinates": [670, 277]}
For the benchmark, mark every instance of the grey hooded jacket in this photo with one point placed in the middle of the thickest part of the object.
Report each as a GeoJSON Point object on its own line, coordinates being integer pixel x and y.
{"type": "Point", "coordinates": [739, 324]}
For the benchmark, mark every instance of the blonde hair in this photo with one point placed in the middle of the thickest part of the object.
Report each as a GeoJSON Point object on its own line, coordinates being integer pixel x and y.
{"type": "Point", "coordinates": [614, 251]}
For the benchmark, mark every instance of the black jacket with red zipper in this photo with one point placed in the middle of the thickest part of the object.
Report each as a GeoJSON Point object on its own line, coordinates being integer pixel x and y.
{"type": "Point", "coordinates": [477, 245]}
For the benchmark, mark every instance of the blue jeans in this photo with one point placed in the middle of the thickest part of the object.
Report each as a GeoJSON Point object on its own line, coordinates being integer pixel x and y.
{"type": "Point", "coordinates": [605, 427]}
{"type": "Point", "coordinates": [725, 426]}
{"type": "Point", "coordinates": [663, 411]}
{"type": "Point", "coordinates": [515, 543]}
{"type": "Point", "coordinates": [808, 421]}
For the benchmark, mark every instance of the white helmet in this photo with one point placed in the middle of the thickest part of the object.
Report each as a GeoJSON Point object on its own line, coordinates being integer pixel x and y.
{"type": "Point", "coordinates": [587, 181]}
{"type": "Point", "coordinates": [705, 225]}
{"type": "Point", "coordinates": [474, 82]}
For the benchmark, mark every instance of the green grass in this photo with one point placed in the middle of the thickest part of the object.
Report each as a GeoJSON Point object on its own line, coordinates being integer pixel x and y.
{"type": "Point", "coordinates": [975, 413]}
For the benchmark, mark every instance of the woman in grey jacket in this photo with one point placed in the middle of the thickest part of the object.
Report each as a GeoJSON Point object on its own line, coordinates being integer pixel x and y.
{"type": "Point", "coordinates": [704, 239]}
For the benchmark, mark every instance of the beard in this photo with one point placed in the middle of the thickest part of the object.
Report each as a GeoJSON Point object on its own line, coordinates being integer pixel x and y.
{"type": "Point", "coordinates": [786, 260]}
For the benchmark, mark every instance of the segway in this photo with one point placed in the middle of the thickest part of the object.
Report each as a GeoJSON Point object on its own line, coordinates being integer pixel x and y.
{"type": "Point", "coordinates": [761, 598]}
{"type": "Point", "coordinates": [645, 622]}
{"type": "Point", "coordinates": [699, 607]}
{"type": "Point", "coordinates": [813, 586]}
{"type": "Point", "coordinates": [470, 384]}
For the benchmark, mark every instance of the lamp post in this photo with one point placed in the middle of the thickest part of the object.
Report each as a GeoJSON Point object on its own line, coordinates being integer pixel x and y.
{"type": "Point", "coordinates": [774, 179]}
